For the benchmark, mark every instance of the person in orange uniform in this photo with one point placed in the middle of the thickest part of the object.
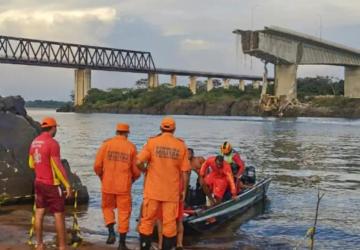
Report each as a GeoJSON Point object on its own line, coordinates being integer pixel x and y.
{"type": "Point", "coordinates": [220, 177]}
{"type": "Point", "coordinates": [232, 157]}
{"type": "Point", "coordinates": [167, 160]}
{"type": "Point", "coordinates": [44, 158]}
{"type": "Point", "coordinates": [115, 164]}
{"type": "Point", "coordinates": [179, 223]}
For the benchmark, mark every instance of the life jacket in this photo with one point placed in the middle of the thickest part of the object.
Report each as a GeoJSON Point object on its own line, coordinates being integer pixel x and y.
{"type": "Point", "coordinates": [229, 159]}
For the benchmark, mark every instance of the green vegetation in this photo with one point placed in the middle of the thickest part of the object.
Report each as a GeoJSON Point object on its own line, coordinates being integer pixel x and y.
{"type": "Point", "coordinates": [234, 93]}
{"type": "Point", "coordinates": [322, 96]}
{"type": "Point", "coordinates": [334, 101]}
{"type": "Point", "coordinates": [319, 86]}
{"type": "Point", "coordinates": [158, 98]}
{"type": "Point", "coordinates": [139, 98]}
{"type": "Point", "coordinates": [46, 104]}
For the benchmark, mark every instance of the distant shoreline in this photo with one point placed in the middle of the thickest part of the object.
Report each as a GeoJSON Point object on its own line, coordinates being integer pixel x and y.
{"type": "Point", "coordinates": [50, 104]}
{"type": "Point", "coordinates": [331, 107]}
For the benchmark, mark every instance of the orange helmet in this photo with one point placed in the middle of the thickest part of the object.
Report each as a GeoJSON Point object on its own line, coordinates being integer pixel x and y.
{"type": "Point", "coordinates": [48, 122]}
{"type": "Point", "coordinates": [122, 127]}
{"type": "Point", "coordinates": [225, 148]}
{"type": "Point", "coordinates": [168, 124]}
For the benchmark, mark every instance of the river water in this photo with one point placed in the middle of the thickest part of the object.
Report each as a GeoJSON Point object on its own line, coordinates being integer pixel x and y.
{"type": "Point", "coordinates": [299, 154]}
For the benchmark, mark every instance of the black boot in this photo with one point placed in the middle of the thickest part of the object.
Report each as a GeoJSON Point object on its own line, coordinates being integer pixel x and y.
{"type": "Point", "coordinates": [122, 245]}
{"type": "Point", "coordinates": [111, 237]}
{"type": "Point", "coordinates": [145, 242]}
{"type": "Point", "coordinates": [169, 243]}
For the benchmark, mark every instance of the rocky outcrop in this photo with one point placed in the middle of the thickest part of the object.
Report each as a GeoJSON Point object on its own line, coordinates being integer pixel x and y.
{"type": "Point", "coordinates": [17, 130]}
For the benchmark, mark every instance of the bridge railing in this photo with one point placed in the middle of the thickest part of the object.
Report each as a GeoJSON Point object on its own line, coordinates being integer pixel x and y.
{"type": "Point", "coordinates": [46, 53]}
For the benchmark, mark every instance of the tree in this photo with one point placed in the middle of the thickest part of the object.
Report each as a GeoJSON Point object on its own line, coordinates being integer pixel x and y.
{"type": "Point", "coordinates": [141, 83]}
{"type": "Point", "coordinates": [217, 83]}
{"type": "Point", "coordinates": [72, 96]}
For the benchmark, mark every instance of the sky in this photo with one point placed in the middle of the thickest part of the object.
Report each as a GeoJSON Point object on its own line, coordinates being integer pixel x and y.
{"type": "Point", "coordinates": [180, 34]}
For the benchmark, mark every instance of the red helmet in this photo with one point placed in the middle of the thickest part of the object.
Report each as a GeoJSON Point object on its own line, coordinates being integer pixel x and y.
{"type": "Point", "coordinates": [225, 148]}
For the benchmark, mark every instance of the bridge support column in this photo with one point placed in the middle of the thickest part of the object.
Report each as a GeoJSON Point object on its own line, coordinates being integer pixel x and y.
{"type": "Point", "coordinates": [153, 80]}
{"type": "Point", "coordinates": [285, 80]}
{"type": "Point", "coordinates": [352, 82]}
{"type": "Point", "coordinates": [256, 84]}
{"type": "Point", "coordinates": [82, 85]}
{"type": "Point", "coordinates": [226, 83]}
{"type": "Point", "coordinates": [192, 84]}
{"type": "Point", "coordinates": [173, 80]}
{"type": "Point", "coordinates": [242, 85]}
{"type": "Point", "coordinates": [209, 84]}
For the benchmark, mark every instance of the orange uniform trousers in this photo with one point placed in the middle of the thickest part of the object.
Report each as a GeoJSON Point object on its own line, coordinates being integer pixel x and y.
{"type": "Point", "coordinates": [123, 204]}
{"type": "Point", "coordinates": [150, 210]}
{"type": "Point", "coordinates": [217, 183]}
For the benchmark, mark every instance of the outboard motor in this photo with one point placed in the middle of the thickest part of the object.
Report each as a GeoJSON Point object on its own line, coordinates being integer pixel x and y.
{"type": "Point", "coordinates": [249, 176]}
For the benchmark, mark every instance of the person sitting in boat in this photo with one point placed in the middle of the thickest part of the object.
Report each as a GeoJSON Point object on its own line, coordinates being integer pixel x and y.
{"type": "Point", "coordinates": [218, 180]}
{"type": "Point", "coordinates": [195, 161]}
{"type": "Point", "coordinates": [232, 157]}
{"type": "Point", "coordinates": [195, 196]}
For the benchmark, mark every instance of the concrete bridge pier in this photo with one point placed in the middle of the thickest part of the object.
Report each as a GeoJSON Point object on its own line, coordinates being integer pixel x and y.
{"type": "Point", "coordinates": [226, 83]}
{"type": "Point", "coordinates": [285, 80]}
{"type": "Point", "coordinates": [242, 85]}
{"type": "Point", "coordinates": [82, 85]}
{"type": "Point", "coordinates": [192, 84]}
{"type": "Point", "coordinates": [209, 84]}
{"type": "Point", "coordinates": [153, 80]}
{"type": "Point", "coordinates": [173, 80]}
{"type": "Point", "coordinates": [352, 82]}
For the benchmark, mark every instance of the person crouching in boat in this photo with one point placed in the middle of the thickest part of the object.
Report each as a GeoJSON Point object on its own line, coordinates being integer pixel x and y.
{"type": "Point", "coordinates": [219, 179]}
{"type": "Point", "coordinates": [232, 157]}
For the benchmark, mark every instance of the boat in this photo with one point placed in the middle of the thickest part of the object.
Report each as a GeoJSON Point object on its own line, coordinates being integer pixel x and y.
{"type": "Point", "coordinates": [204, 220]}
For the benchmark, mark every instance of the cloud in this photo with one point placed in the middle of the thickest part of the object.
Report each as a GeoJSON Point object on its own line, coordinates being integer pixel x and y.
{"type": "Point", "coordinates": [57, 16]}
{"type": "Point", "coordinates": [186, 34]}
{"type": "Point", "coordinates": [195, 44]}
{"type": "Point", "coordinates": [76, 25]}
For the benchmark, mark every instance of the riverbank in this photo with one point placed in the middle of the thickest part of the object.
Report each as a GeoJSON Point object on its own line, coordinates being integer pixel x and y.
{"type": "Point", "coordinates": [317, 97]}
{"type": "Point", "coordinates": [15, 225]}
{"type": "Point", "coordinates": [225, 104]}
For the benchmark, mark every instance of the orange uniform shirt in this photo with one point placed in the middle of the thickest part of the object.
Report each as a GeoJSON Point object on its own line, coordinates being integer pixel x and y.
{"type": "Point", "coordinates": [210, 163]}
{"type": "Point", "coordinates": [115, 163]}
{"type": "Point", "coordinates": [166, 156]}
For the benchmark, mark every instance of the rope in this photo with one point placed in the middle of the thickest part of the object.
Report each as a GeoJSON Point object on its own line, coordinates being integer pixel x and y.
{"type": "Point", "coordinates": [31, 231]}
{"type": "Point", "coordinates": [76, 238]}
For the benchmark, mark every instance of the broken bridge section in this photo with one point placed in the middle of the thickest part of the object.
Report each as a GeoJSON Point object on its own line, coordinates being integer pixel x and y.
{"type": "Point", "coordinates": [287, 49]}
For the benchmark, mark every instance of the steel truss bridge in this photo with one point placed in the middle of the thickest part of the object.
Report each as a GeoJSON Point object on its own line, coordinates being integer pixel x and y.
{"type": "Point", "coordinates": [15, 50]}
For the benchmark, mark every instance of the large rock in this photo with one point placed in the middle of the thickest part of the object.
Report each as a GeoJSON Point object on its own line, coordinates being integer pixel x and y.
{"type": "Point", "coordinates": [17, 130]}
